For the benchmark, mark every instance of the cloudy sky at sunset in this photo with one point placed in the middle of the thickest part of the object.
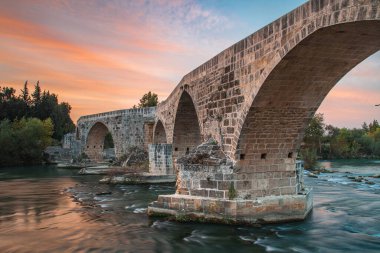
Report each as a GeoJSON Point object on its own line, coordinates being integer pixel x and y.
{"type": "Point", "coordinates": [104, 55]}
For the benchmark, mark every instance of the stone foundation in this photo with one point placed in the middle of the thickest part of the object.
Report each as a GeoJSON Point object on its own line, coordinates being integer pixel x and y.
{"type": "Point", "coordinates": [271, 209]}
{"type": "Point", "coordinates": [138, 178]}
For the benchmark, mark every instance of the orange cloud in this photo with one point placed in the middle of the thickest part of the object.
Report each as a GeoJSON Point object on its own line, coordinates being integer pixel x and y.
{"type": "Point", "coordinates": [29, 39]}
{"type": "Point", "coordinates": [102, 58]}
{"type": "Point", "coordinates": [350, 107]}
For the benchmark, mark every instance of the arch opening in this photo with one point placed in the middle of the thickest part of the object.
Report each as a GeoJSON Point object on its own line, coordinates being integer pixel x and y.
{"type": "Point", "coordinates": [100, 144]}
{"type": "Point", "coordinates": [186, 133]}
{"type": "Point", "coordinates": [292, 93]}
{"type": "Point", "coordinates": [159, 135]}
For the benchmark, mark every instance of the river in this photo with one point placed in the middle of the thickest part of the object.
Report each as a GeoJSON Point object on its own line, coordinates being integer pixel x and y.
{"type": "Point", "coordinates": [45, 209]}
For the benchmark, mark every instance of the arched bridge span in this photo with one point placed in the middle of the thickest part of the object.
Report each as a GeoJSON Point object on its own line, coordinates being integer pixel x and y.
{"type": "Point", "coordinates": [256, 97]}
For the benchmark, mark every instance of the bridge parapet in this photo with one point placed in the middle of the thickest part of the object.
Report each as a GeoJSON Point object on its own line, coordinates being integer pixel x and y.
{"type": "Point", "coordinates": [148, 112]}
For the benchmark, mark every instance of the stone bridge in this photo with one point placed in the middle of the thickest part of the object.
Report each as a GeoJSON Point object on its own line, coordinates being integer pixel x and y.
{"type": "Point", "coordinates": [132, 127]}
{"type": "Point", "coordinates": [256, 98]}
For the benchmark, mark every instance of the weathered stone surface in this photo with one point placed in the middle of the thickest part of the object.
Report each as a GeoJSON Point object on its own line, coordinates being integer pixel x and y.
{"type": "Point", "coordinates": [160, 159]}
{"type": "Point", "coordinates": [138, 178]}
{"type": "Point", "coordinates": [255, 99]}
{"type": "Point", "coordinates": [196, 177]}
{"type": "Point", "coordinates": [216, 209]}
{"type": "Point", "coordinates": [129, 128]}
{"type": "Point", "coordinates": [134, 156]}
{"type": "Point", "coordinates": [208, 153]}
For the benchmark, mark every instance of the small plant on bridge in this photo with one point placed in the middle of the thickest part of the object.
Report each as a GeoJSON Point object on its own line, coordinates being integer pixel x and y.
{"type": "Point", "coordinates": [232, 193]}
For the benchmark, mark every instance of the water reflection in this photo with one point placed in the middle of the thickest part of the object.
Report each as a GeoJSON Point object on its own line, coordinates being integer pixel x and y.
{"type": "Point", "coordinates": [58, 211]}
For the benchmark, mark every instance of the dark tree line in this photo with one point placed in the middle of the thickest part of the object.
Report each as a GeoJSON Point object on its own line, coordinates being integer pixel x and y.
{"type": "Point", "coordinates": [39, 104]}
{"type": "Point", "coordinates": [323, 141]}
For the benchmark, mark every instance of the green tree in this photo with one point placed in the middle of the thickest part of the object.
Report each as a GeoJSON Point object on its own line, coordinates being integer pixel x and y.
{"type": "Point", "coordinates": [108, 141]}
{"type": "Point", "coordinates": [365, 127]}
{"type": "Point", "coordinates": [23, 141]}
{"type": "Point", "coordinates": [42, 105]}
{"type": "Point", "coordinates": [372, 127]}
{"type": "Point", "coordinates": [149, 99]}
{"type": "Point", "coordinates": [314, 132]}
{"type": "Point", "coordinates": [37, 93]}
{"type": "Point", "coordinates": [8, 94]}
{"type": "Point", "coordinates": [11, 107]}
{"type": "Point", "coordinates": [309, 157]}
{"type": "Point", "coordinates": [8, 149]}
{"type": "Point", "coordinates": [25, 93]}
{"type": "Point", "coordinates": [312, 141]}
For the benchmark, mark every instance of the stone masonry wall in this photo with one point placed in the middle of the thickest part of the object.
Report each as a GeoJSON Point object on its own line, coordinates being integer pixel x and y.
{"type": "Point", "coordinates": [257, 96]}
{"type": "Point", "coordinates": [223, 89]}
{"type": "Point", "coordinates": [220, 181]}
{"type": "Point", "coordinates": [126, 127]}
{"type": "Point", "coordinates": [148, 134]}
{"type": "Point", "coordinates": [160, 159]}
{"type": "Point", "coordinates": [159, 135]}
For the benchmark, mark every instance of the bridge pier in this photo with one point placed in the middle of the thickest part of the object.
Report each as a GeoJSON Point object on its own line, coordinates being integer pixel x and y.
{"type": "Point", "coordinates": [210, 188]}
{"type": "Point", "coordinates": [160, 159]}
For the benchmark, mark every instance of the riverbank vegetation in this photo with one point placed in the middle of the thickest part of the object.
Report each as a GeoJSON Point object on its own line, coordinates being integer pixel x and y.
{"type": "Point", "coordinates": [22, 142]}
{"type": "Point", "coordinates": [29, 123]}
{"type": "Point", "coordinates": [39, 104]}
{"type": "Point", "coordinates": [322, 141]}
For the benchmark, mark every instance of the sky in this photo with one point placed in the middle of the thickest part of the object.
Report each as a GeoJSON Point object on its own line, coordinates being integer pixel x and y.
{"type": "Point", "coordinates": [104, 55]}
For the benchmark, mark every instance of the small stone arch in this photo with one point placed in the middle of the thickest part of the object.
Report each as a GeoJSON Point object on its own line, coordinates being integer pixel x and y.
{"type": "Point", "coordinates": [159, 134]}
{"type": "Point", "coordinates": [186, 132]}
{"type": "Point", "coordinates": [95, 141]}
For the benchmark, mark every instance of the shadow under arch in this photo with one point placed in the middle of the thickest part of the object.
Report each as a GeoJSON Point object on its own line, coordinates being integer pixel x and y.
{"type": "Point", "coordinates": [95, 142]}
{"type": "Point", "coordinates": [274, 126]}
{"type": "Point", "coordinates": [159, 134]}
{"type": "Point", "coordinates": [186, 133]}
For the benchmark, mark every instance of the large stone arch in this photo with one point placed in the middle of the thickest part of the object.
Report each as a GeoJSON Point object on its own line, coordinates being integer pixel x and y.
{"type": "Point", "coordinates": [159, 133]}
{"type": "Point", "coordinates": [296, 87]}
{"type": "Point", "coordinates": [320, 42]}
{"type": "Point", "coordinates": [292, 92]}
{"type": "Point", "coordinates": [95, 141]}
{"type": "Point", "coordinates": [186, 131]}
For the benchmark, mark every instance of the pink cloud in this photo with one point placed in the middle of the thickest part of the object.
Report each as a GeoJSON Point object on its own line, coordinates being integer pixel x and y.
{"type": "Point", "coordinates": [103, 55]}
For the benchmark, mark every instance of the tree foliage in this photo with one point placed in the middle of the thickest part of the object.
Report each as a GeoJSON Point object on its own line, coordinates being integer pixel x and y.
{"type": "Point", "coordinates": [149, 99]}
{"type": "Point", "coordinates": [40, 104]}
{"type": "Point", "coordinates": [23, 141]}
{"type": "Point", "coordinates": [108, 141]}
{"type": "Point", "coordinates": [329, 142]}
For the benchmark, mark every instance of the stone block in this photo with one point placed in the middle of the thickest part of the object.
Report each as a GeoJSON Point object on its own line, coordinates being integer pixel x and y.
{"type": "Point", "coordinates": [244, 185]}
{"type": "Point", "coordinates": [208, 184]}
{"type": "Point", "coordinates": [200, 192]}
{"type": "Point", "coordinates": [216, 194]}
{"type": "Point", "coordinates": [223, 185]}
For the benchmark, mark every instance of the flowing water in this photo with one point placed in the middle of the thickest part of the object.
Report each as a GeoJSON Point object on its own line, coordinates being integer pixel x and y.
{"type": "Point", "coordinates": [45, 209]}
